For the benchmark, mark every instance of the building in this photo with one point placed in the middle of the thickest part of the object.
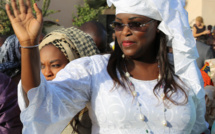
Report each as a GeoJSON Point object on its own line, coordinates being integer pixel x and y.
{"type": "Point", "coordinates": [67, 9]}
{"type": "Point", "coordinates": [204, 8]}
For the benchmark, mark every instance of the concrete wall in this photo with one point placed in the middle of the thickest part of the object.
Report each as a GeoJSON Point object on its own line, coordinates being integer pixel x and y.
{"type": "Point", "coordinates": [66, 8]}
{"type": "Point", "coordinates": [208, 12]}
{"type": "Point", "coordinates": [194, 9]}
{"type": "Point", "coordinates": [204, 8]}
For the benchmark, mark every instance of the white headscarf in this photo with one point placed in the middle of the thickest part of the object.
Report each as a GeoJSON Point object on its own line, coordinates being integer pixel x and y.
{"type": "Point", "coordinates": [174, 23]}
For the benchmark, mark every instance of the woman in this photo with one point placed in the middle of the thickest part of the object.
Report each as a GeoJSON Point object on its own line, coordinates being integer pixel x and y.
{"type": "Point", "coordinates": [133, 90]}
{"type": "Point", "coordinates": [57, 49]}
{"type": "Point", "coordinates": [61, 46]}
{"type": "Point", "coordinates": [199, 30]}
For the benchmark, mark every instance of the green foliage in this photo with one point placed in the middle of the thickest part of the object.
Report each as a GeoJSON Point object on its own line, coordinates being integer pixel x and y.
{"type": "Point", "coordinates": [5, 26]}
{"type": "Point", "coordinates": [86, 13]}
{"type": "Point", "coordinates": [45, 11]}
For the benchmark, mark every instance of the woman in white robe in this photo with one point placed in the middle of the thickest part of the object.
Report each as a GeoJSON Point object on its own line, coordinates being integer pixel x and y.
{"type": "Point", "coordinates": [133, 90]}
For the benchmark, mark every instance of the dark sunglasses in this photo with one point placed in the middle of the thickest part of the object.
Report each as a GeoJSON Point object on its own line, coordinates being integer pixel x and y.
{"type": "Point", "coordinates": [135, 26]}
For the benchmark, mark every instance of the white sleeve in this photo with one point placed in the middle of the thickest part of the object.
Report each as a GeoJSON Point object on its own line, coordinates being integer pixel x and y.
{"type": "Point", "coordinates": [53, 104]}
{"type": "Point", "coordinates": [200, 125]}
{"type": "Point", "coordinates": [22, 97]}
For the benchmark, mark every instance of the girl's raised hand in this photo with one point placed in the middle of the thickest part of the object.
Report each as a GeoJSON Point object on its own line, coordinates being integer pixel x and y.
{"type": "Point", "coordinates": [26, 27]}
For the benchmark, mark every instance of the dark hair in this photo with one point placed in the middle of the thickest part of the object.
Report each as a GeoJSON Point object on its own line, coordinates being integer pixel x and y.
{"type": "Point", "coordinates": [116, 63]}
{"type": "Point", "coordinates": [209, 27]}
{"type": "Point", "coordinates": [77, 123]}
{"type": "Point", "coordinates": [97, 30]}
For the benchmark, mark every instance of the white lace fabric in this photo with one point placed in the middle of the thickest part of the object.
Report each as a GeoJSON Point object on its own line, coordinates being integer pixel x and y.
{"type": "Point", "coordinates": [86, 82]}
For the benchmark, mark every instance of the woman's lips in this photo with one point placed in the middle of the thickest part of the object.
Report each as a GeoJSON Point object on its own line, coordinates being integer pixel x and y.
{"type": "Point", "coordinates": [127, 43]}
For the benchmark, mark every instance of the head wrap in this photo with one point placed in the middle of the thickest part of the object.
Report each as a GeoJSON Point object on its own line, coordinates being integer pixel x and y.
{"type": "Point", "coordinates": [174, 23]}
{"type": "Point", "coordinates": [10, 57]}
{"type": "Point", "coordinates": [72, 42]}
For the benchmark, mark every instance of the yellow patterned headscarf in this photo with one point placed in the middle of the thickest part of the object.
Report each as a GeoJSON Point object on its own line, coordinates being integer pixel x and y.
{"type": "Point", "coordinates": [72, 42]}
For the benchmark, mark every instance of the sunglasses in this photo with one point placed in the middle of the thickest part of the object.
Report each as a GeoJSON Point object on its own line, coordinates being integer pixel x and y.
{"type": "Point", "coordinates": [134, 26]}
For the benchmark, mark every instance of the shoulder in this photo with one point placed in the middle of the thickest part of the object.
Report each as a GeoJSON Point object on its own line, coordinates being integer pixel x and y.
{"type": "Point", "coordinates": [100, 58]}
{"type": "Point", "coordinates": [89, 63]}
{"type": "Point", "coordinates": [92, 59]}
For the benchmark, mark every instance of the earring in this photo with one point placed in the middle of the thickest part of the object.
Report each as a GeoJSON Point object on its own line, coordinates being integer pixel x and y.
{"type": "Point", "coordinates": [123, 56]}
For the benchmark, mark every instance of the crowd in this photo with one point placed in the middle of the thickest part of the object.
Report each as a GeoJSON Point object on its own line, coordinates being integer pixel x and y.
{"type": "Point", "coordinates": [148, 80]}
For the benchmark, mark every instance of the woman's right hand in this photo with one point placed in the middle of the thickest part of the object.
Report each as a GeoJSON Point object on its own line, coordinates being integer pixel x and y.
{"type": "Point", "coordinates": [206, 32]}
{"type": "Point", "coordinates": [26, 27]}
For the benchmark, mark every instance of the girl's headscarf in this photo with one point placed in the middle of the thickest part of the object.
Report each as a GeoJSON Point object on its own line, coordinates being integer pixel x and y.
{"type": "Point", "coordinates": [72, 42]}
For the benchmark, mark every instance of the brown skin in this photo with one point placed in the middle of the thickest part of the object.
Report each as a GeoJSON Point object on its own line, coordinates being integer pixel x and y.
{"type": "Point", "coordinates": [27, 29]}
{"type": "Point", "coordinates": [52, 61]}
{"type": "Point", "coordinates": [142, 63]}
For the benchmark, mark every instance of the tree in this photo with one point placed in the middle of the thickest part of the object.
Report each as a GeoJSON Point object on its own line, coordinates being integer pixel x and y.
{"type": "Point", "coordinates": [87, 13]}
{"type": "Point", "coordinates": [5, 26]}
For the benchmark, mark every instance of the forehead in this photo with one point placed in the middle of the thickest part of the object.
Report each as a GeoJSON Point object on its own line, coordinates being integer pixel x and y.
{"type": "Point", "coordinates": [50, 52]}
{"type": "Point", "coordinates": [127, 16]}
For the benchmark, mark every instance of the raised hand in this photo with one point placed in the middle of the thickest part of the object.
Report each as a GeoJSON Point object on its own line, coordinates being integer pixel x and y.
{"type": "Point", "coordinates": [26, 27]}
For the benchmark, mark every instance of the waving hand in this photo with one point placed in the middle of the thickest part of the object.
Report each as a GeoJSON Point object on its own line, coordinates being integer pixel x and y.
{"type": "Point", "coordinates": [26, 27]}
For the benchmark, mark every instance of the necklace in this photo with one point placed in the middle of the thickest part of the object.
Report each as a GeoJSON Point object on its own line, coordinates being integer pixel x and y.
{"type": "Point", "coordinates": [136, 97]}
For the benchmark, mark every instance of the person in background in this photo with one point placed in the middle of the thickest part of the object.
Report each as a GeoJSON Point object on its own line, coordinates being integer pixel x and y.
{"type": "Point", "coordinates": [10, 75]}
{"type": "Point", "coordinates": [61, 46]}
{"type": "Point", "coordinates": [57, 49]}
{"type": "Point", "coordinates": [199, 30]}
{"type": "Point", "coordinates": [210, 27]}
{"type": "Point", "coordinates": [10, 58]}
{"type": "Point", "coordinates": [98, 32]}
{"type": "Point", "coordinates": [210, 37]}
{"type": "Point", "coordinates": [205, 52]}
{"type": "Point", "coordinates": [9, 110]}
{"type": "Point", "coordinates": [135, 89]}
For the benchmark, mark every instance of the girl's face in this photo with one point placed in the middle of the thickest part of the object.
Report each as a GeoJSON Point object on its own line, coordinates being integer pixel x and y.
{"type": "Point", "coordinates": [52, 61]}
{"type": "Point", "coordinates": [198, 23]}
{"type": "Point", "coordinates": [136, 41]}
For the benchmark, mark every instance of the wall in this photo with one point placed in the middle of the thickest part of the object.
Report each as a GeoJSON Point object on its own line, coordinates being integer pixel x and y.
{"type": "Point", "coordinates": [204, 8]}
{"type": "Point", "coordinates": [194, 9]}
{"type": "Point", "coordinates": [209, 12]}
{"type": "Point", "coordinates": [67, 9]}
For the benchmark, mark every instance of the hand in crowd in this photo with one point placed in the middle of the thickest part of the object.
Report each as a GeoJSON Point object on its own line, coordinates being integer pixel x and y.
{"type": "Point", "coordinates": [207, 32]}
{"type": "Point", "coordinates": [26, 27]}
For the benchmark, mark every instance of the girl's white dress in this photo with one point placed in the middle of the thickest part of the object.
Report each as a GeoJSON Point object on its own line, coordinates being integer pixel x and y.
{"type": "Point", "coordinates": [113, 111]}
